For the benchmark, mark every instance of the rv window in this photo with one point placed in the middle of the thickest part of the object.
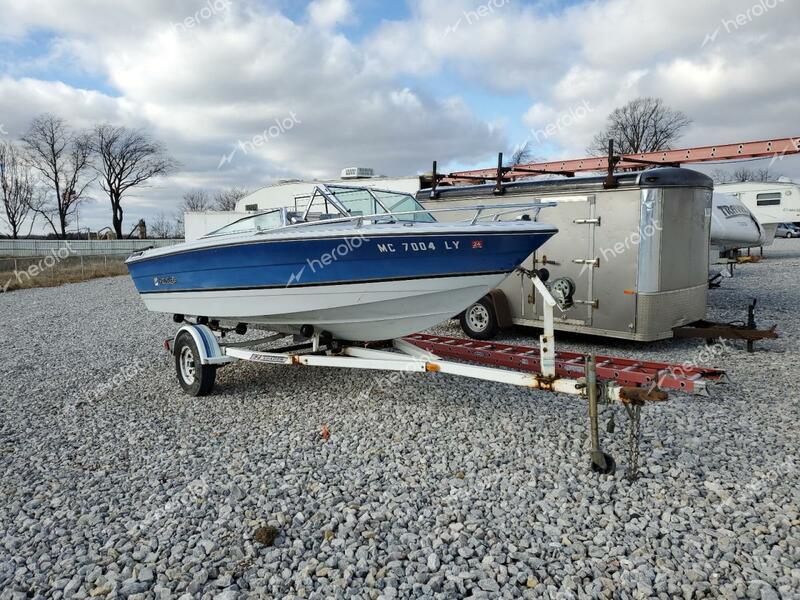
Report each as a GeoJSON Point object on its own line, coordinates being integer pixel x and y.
{"type": "Point", "coordinates": [249, 207]}
{"type": "Point", "coordinates": [768, 199]}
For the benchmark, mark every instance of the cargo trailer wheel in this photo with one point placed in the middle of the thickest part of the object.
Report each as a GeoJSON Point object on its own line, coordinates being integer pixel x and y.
{"type": "Point", "coordinates": [195, 378]}
{"type": "Point", "coordinates": [479, 321]}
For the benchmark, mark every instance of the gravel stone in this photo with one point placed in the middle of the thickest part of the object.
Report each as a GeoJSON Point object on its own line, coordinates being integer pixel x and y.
{"type": "Point", "coordinates": [434, 563]}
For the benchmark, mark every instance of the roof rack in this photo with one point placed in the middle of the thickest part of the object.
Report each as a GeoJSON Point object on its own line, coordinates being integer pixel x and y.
{"type": "Point", "coordinates": [776, 148]}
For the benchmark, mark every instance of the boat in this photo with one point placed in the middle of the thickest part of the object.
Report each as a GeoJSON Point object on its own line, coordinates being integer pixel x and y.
{"type": "Point", "coordinates": [355, 264]}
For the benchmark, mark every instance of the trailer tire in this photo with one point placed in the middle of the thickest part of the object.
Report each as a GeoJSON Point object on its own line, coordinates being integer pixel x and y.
{"type": "Point", "coordinates": [195, 378]}
{"type": "Point", "coordinates": [479, 321]}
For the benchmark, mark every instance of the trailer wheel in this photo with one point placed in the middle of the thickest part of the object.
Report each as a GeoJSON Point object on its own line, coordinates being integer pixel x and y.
{"type": "Point", "coordinates": [195, 378]}
{"type": "Point", "coordinates": [479, 321]}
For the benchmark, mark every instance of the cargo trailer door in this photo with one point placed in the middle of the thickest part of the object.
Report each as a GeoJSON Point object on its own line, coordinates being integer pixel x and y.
{"type": "Point", "coordinates": [571, 260]}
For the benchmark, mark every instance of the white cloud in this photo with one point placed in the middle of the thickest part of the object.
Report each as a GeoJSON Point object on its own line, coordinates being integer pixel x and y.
{"type": "Point", "coordinates": [329, 13]}
{"type": "Point", "coordinates": [21, 99]}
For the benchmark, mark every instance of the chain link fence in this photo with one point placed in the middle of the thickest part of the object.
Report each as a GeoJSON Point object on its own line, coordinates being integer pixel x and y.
{"type": "Point", "coordinates": [52, 270]}
{"type": "Point", "coordinates": [46, 263]}
{"type": "Point", "coordinates": [28, 248]}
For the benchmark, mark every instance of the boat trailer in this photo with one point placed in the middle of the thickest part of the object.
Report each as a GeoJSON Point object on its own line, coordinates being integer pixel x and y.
{"type": "Point", "coordinates": [199, 351]}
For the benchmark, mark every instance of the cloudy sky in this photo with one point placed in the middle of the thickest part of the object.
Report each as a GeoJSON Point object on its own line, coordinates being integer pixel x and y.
{"type": "Point", "coordinates": [245, 92]}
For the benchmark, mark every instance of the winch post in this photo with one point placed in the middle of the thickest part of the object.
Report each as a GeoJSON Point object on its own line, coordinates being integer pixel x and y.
{"type": "Point", "coordinates": [547, 342]}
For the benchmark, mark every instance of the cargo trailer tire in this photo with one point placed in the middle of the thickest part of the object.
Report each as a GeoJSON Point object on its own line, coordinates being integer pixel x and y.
{"type": "Point", "coordinates": [479, 321]}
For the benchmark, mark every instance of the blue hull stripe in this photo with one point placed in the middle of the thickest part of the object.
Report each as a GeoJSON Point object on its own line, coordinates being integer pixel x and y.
{"type": "Point", "coordinates": [302, 285]}
{"type": "Point", "coordinates": [334, 261]}
{"type": "Point", "coordinates": [202, 332]}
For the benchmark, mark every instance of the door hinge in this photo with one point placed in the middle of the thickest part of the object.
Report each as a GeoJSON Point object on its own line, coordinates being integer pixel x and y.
{"type": "Point", "coordinates": [593, 303]}
{"type": "Point", "coordinates": [594, 262]}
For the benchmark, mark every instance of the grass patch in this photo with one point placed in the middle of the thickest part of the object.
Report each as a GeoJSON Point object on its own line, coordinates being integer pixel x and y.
{"type": "Point", "coordinates": [37, 272]}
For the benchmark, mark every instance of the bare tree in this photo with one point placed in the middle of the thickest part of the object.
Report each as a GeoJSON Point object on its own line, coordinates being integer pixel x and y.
{"type": "Point", "coordinates": [18, 192]}
{"type": "Point", "coordinates": [63, 158]}
{"type": "Point", "coordinates": [127, 159]}
{"type": "Point", "coordinates": [196, 201]}
{"type": "Point", "coordinates": [227, 199]}
{"type": "Point", "coordinates": [742, 174]}
{"type": "Point", "coordinates": [642, 125]}
{"type": "Point", "coordinates": [521, 155]}
{"type": "Point", "coordinates": [162, 227]}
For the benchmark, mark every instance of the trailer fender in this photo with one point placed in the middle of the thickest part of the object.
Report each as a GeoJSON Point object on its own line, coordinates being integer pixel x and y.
{"type": "Point", "coordinates": [502, 310]}
{"type": "Point", "coordinates": [206, 342]}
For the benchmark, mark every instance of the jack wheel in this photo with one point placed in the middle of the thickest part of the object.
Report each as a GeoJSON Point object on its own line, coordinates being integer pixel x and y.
{"type": "Point", "coordinates": [605, 467]}
{"type": "Point", "coordinates": [195, 378]}
{"type": "Point", "coordinates": [479, 321]}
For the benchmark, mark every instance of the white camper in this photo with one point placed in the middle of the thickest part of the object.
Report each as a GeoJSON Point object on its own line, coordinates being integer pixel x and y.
{"type": "Point", "coordinates": [772, 202]}
{"type": "Point", "coordinates": [733, 225]}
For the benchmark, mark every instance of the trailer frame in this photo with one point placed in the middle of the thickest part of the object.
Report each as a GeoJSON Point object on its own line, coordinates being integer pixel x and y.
{"type": "Point", "coordinates": [199, 350]}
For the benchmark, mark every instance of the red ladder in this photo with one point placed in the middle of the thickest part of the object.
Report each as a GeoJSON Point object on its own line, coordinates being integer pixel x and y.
{"type": "Point", "coordinates": [625, 371]}
{"type": "Point", "coordinates": [776, 148]}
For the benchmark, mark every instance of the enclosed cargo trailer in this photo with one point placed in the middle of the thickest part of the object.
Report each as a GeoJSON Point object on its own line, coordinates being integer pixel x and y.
{"type": "Point", "coordinates": [630, 261]}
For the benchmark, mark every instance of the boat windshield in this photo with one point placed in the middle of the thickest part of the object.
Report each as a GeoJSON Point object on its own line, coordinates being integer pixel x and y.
{"type": "Point", "coordinates": [260, 222]}
{"type": "Point", "coordinates": [362, 201]}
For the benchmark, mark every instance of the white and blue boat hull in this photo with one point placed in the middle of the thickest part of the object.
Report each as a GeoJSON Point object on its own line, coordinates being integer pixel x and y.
{"type": "Point", "coordinates": [380, 285]}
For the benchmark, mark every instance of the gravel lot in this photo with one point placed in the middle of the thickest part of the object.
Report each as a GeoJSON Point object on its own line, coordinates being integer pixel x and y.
{"type": "Point", "coordinates": [113, 483]}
